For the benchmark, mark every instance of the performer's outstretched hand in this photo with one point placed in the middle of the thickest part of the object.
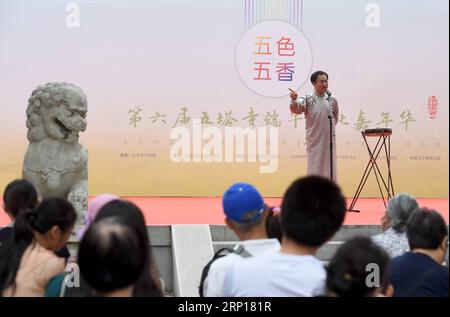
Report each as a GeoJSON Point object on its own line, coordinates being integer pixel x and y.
{"type": "Point", "coordinates": [295, 108]}
{"type": "Point", "coordinates": [293, 94]}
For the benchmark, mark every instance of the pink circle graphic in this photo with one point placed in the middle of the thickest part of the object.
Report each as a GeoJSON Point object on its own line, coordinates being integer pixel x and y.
{"type": "Point", "coordinates": [273, 56]}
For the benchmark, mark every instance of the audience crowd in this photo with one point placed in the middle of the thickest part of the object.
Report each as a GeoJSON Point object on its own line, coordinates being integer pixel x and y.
{"type": "Point", "coordinates": [276, 255]}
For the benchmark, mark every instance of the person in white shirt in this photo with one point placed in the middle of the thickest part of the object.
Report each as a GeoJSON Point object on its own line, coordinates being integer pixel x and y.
{"type": "Point", "coordinates": [246, 214]}
{"type": "Point", "coordinates": [313, 209]}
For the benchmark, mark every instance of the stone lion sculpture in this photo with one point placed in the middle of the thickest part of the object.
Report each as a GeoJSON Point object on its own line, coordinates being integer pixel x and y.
{"type": "Point", "coordinates": [55, 162]}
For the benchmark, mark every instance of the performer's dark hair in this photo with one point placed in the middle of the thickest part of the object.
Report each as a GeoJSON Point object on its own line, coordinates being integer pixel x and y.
{"type": "Point", "coordinates": [313, 209]}
{"type": "Point", "coordinates": [348, 269]}
{"type": "Point", "coordinates": [426, 229]}
{"type": "Point", "coordinates": [317, 74]}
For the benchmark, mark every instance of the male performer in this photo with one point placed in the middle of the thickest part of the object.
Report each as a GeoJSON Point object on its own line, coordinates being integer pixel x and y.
{"type": "Point", "coordinates": [318, 107]}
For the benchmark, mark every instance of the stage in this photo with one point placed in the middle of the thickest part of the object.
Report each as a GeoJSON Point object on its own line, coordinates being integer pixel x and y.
{"type": "Point", "coordinates": [208, 210]}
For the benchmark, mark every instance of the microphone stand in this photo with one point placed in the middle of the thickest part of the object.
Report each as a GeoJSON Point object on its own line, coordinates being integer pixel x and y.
{"type": "Point", "coordinates": [330, 117]}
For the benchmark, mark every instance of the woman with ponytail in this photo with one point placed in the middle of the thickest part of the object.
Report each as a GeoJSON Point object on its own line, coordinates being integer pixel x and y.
{"type": "Point", "coordinates": [27, 259]}
{"type": "Point", "coordinates": [20, 195]}
{"type": "Point", "coordinates": [148, 284]}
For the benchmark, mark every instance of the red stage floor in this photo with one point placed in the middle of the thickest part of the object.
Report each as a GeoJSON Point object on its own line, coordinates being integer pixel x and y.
{"type": "Point", "coordinates": [208, 210]}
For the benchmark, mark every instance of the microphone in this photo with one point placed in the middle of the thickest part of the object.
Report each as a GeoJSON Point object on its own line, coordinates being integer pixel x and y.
{"type": "Point", "coordinates": [328, 94]}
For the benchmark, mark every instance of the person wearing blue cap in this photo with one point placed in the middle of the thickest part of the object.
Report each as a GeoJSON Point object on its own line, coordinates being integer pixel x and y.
{"type": "Point", "coordinates": [313, 209]}
{"type": "Point", "coordinates": [246, 215]}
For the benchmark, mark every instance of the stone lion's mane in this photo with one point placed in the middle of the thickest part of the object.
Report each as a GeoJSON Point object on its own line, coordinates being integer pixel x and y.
{"type": "Point", "coordinates": [48, 95]}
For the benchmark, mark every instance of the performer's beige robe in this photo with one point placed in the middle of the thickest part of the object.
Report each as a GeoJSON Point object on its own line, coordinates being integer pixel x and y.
{"type": "Point", "coordinates": [317, 109]}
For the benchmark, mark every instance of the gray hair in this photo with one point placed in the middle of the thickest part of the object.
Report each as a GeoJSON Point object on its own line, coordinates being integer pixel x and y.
{"type": "Point", "coordinates": [399, 210]}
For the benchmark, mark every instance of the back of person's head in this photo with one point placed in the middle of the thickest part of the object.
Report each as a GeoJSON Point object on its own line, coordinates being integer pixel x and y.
{"type": "Point", "coordinates": [399, 210]}
{"type": "Point", "coordinates": [148, 283]}
{"type": "Point", "coordinates": [427, 230]}
{"type": "Point", "coordinates": [244, 207]}
{"type": "Point", "coordinates": [273, 224]}
{"type": "Point", "coordinates": [348, 272]}
{"type": "Point", "coordinates": [51, 213]}
{"type": "Point", "coordinates": [19, 195]}
{"type": "Point", "coordinates": [124, 209]}
{"type": "Point", "coordinates": [313, 209]}
{"type": "Point", "coordinates": [111, 256]}
{"type": "Point", "coordinates": [52, 220]}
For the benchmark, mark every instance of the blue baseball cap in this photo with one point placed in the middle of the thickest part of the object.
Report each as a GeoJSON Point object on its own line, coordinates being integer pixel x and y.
{"type": "Point", "coordinates": [243, 203]}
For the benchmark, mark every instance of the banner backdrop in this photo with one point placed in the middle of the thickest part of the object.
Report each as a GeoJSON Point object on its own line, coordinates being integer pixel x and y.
{"type": "Point", "coordinates": [187, 97]}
